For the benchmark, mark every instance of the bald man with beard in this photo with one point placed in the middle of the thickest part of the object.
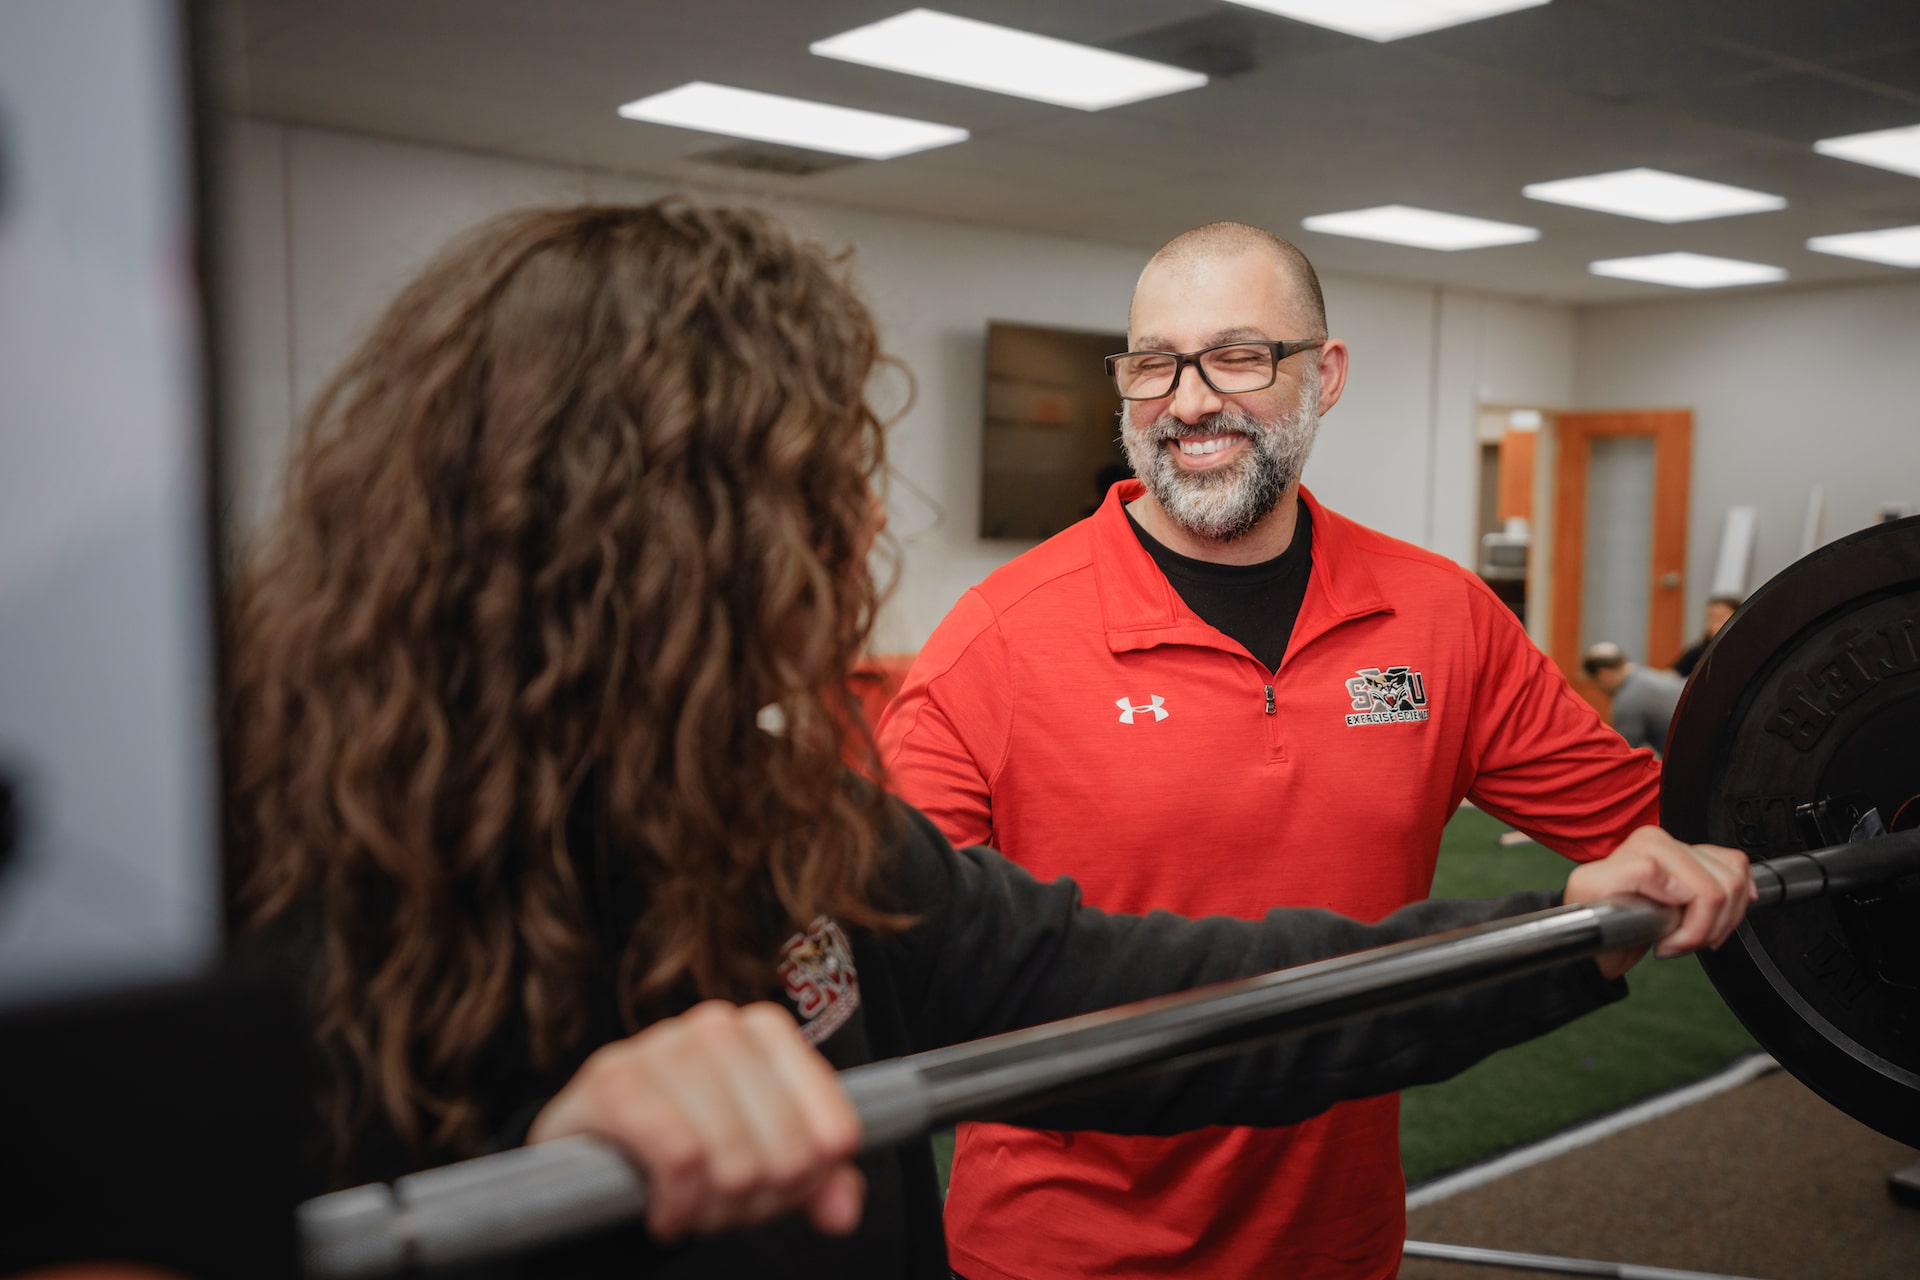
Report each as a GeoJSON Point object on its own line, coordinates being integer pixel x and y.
{"type": "Point", "coordinates": [1215, 696]}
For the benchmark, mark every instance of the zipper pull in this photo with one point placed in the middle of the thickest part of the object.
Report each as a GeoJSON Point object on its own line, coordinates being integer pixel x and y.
{"type": "Point", "coordinates": [1269, 699]}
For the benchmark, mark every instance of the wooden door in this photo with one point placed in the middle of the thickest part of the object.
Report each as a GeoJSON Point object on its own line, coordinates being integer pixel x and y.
{"type": "Point", "coordinates": [1579, 435]}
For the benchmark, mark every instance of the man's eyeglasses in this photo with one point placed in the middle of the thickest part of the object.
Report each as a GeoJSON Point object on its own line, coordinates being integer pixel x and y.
{"type": "Point", "coordinates": [1230, 368]}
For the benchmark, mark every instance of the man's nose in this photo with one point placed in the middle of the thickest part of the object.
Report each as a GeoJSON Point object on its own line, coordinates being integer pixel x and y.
{"type": "Point", "coordinates": [1193, 399]}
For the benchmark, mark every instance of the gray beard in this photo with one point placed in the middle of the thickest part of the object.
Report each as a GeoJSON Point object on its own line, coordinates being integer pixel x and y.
{"type": "Point", "coordinates": [1225, 503]}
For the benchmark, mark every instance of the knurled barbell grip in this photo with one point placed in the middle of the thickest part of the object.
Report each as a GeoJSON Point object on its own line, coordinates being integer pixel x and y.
{"type": "Point", "coordinates": [536, 1195]}
{"type": "Point", "coordinates": [530, 1196]}
{"type": "Point", "coordinates": [478, 1208]}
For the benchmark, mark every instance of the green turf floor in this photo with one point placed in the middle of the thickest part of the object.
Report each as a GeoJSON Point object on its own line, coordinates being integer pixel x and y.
{"type": "Point", "coordinates": [1673, 1030]}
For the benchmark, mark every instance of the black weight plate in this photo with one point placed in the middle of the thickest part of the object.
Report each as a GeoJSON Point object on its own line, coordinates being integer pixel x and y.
{"type": "Point", "coordinates": [1811, 696]}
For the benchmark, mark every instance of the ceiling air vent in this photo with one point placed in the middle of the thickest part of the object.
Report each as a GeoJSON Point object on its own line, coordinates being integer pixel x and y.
{"type": "Point", "coordinates": [767, 157]}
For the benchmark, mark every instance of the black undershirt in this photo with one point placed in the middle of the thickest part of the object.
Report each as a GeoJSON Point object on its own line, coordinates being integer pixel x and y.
{"type": "Point", "coordinates": [1256, 604]}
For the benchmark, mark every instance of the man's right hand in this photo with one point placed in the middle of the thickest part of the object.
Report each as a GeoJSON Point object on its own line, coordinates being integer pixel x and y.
{"type": "Point", "coordinates": [731, 1115]}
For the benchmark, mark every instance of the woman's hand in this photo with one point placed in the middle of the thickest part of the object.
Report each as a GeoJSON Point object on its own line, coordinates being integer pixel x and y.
{"type": "Point", "coordinates": [1712, 886]}
{"type": "Point", "coordinates": [731, 1115]}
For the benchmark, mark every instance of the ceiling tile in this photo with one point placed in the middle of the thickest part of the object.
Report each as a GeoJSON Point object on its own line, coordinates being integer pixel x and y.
{"type": "Point", "coordinates": [1590, 50]}
{"type": "Point", "coordinates": [1798, 29]}
{"type": "Point", "coordinates": [1793, 106]}
{"type": "Point", "coordinates": [1457, 120]}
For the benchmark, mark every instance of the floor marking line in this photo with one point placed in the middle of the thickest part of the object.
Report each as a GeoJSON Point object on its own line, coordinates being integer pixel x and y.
{"type": "Point", "coordinates": [1743, 1071]}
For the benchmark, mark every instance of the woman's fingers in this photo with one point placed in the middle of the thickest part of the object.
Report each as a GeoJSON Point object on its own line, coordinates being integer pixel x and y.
{"type": "Point", "coordinates": [836, 1206]}
{"type": "Point", "coordinates": [731, 1115]}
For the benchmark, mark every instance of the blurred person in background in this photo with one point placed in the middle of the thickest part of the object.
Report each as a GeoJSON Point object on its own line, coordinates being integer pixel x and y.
{"type": "Point", "coordinates": [1720, 607]}
{"type": "Point", "coordinates": [1643, 697]}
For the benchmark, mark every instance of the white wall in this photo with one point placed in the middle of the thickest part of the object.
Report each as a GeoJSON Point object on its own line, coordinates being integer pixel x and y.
{"type": "Point", "coordinates": [1788, 390]}
{"type": "Point", "coordinates": [326, 226]}
{"type": "Point", "coordinates": [1491, 351]}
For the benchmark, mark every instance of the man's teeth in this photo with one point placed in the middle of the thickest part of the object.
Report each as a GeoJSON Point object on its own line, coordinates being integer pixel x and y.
{"type": "Point", "coordinates": [1195, 448]}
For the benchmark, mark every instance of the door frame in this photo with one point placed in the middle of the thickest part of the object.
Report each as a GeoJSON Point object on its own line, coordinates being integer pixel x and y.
{"type": "Point", "coordinates": [1672, 433]}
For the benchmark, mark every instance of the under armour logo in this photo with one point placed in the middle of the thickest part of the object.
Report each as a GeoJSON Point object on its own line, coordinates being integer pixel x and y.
{"type": "Point", "coordinates": [1154, 703]}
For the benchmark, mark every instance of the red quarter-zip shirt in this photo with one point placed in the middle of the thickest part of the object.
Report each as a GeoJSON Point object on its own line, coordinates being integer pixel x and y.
{"type": "Point", "coordinates": [1074, 713]}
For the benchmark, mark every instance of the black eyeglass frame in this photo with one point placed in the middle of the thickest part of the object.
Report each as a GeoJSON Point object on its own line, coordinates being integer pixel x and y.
{"type": "Point", "coordinates": [1278, 350]}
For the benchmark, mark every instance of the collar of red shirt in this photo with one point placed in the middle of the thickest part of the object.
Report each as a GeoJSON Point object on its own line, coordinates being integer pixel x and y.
{"type": "Point", "coordinates": [1141, 610]}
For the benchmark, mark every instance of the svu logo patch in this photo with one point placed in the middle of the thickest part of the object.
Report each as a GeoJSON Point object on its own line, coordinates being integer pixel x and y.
{"type": "Point", "coordinates": [1397, 695]}
{"type": "Point", "coordinates": [817, 969]}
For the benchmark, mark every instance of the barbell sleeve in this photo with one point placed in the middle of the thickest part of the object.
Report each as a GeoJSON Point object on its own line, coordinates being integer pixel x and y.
{"type": "Point", "coordinates": [541, 1194]}
{"type": "Point", "coordinates": [1842, 868]}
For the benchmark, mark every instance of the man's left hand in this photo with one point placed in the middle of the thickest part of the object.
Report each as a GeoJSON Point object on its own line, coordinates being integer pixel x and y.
{"type": "Point", "coordinates": [1712, 886]}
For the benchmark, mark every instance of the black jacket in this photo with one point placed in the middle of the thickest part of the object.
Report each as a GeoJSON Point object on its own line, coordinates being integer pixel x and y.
{"type": "Point", "coordinates": [995, 950]}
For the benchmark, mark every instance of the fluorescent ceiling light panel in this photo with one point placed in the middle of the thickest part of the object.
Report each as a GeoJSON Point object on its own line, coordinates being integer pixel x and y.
{"type": "Point", "coordinates": [981, 55]}
{"type": "Point", "coordinates": [1421, 228]}
{"type": "Point", "coordinates": [1653, 195]}
{"type": "Point", "coordinates": [1388, 19]}
{"type": "Point", "coordinates": [791, 122]}
{"type": "Point", "coordinates": [1688, 270]}
{"type": "Point", "coordinates": [1895, 149]}
{"type": "Point", "coordinates": [1896, 246]}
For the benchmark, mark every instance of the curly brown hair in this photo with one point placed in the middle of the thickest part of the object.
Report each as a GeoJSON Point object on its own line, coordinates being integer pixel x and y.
{"type": "Point", "coordinates": [594, 491]}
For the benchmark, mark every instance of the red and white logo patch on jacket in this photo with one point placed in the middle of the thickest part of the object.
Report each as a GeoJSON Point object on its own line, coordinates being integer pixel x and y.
{"type": "Point", "coordinates": [1395, 695]}
{"type": "Point", "coordinates": [816, 967]}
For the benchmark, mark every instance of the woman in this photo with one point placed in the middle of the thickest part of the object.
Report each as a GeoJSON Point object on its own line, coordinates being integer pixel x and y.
{"type": "Point", "coordinates": [592, 496]}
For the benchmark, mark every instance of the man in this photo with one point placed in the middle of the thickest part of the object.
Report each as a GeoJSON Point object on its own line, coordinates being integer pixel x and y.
{"type": "Point", "coordinates": [1720, 607]}
{"type": "Point", "coordinates": [1643, 698]}
{"type": "Point", "coordinates": [1213, 696]}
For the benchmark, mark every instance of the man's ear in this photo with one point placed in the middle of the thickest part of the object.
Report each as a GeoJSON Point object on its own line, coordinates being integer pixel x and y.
{"type": "Point", "coordinates": [1333, 372]}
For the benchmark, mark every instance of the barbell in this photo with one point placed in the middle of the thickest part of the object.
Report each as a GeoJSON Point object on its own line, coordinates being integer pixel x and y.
{"type": "Point", "coordinates": [1797, 740]}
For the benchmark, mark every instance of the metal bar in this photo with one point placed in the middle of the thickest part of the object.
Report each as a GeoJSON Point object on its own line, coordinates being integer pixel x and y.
{"type": "Point", "coordinates": [1551, 1262]}
{"type": "Point", "coordinates": [536, 1195]}
{"type": "Point", "coordinates": [994, 1077]}
{"type": "Point", "coordinates": [481, 1207]}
